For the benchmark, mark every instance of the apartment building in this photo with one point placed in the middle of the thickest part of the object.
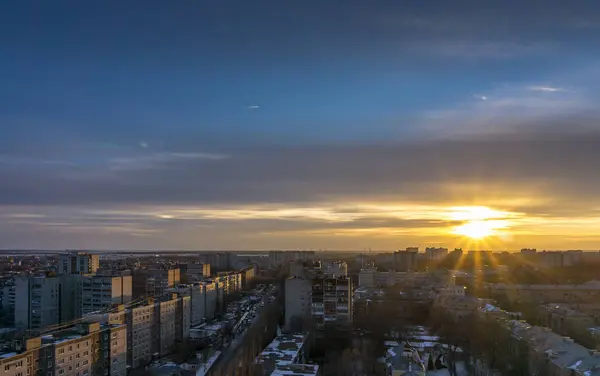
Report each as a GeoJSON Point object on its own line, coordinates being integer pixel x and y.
{"type": "Point", "coordinates": [335, 269]}
{"type": "Point", "coordinates": [37, 301]}
{"type": "Point", "coordinates": [406, 260]}
{"type": "Point", "coordinates": [325, 300]}
{"type": "Point", "coordinates": [435, 254]}
{"type": "Point", "coordinates": [154, 281]}
{"type": "Point", "coordinates": [203, 300]}
{"type": "Point", "coordinates": [248, 274]}
{"type": "Point", "coordinates": [78, 263]}
{"type": "Point", "coordinates": [298, 301]}
{"type": "Point", "coordinates": [153, 326]}
{"type": "Point", "coordinates": [80, 350]}
{"type": "Point", "coordinates": [197, 272]}
{"type": "Point", "coordinates": [278, 258]}
{"type": "Point", "coordinates": [230, 282]}
{"type": "Point", "coordinates": [331, 300]}
{"type": "Point", "coordinates": [100, 292]}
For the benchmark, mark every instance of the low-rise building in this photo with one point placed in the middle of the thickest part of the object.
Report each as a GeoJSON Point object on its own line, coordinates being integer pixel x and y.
{"type": "Point", "coordinates": [285, 351]}
{"type": "Point", "coordinates": [551, 354]}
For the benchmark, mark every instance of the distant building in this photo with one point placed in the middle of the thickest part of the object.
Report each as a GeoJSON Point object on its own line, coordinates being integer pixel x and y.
{"type": "Point", "coordinates": [583, 293]}
{"type": "Point", "coordinates": [248, 274]}
{"type": "Point", "coordinates": [336, 269]}
{"type": "Point", "coordinates": [101, 292]}
{"type": "Point", "coordinates": [435, 254]}
{"type": "Point", "coordinates": [197, 272]}
{"type": "Point", "coordinates": [203, 300]}
{"type": "Point", "coordinates": [78, 263]}
{"type": "Point", "coordinates": [406, 260]}
{"type": "Point", "coordinates": [154, 282]}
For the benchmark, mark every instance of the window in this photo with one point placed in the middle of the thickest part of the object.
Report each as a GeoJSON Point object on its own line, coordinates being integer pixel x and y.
{"type": "Point", "coordinates": [6, 368]}
{"type": "Point", "coordinates": [61, 371]}
{"type": "Point", "coordinates": [61, 351]}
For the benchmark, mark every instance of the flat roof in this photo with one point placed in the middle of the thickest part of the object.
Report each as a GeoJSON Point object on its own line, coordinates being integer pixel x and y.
{"type": "Point", "coordinates": [283, 350]}
{"type": "Point", "coordinates": [296, 370]}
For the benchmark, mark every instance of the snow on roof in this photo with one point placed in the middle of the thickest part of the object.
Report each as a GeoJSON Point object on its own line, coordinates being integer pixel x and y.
{"type": "Point", "coordinates": [283, 350]}
{"type": "Point", "coordinates": [296, 370]}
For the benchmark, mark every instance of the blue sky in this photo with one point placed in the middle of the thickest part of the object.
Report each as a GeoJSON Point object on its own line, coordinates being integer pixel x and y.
{"type": "Point", "coordinates": [95, 93]}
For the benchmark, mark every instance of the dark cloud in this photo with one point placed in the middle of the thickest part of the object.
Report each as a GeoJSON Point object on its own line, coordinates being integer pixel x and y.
{"type": "Point", "coordinates": [562, 166]}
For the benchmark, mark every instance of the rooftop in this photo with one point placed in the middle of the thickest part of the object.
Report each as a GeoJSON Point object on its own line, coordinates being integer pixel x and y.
{"type": "Point", "coordinates": [283, 350]}
{"type": "Point", "coordinates": [296, 370]}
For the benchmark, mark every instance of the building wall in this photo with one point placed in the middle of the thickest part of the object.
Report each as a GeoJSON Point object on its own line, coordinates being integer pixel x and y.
{"type": "Point", "coordinates": [118, 351]}
{"type": "Point", "coordinates": [74, 357]}
{"type": "Point", "coordinates": [100, 292]}
{"type": "Point", "coordinates": [142, 324]}
{"type": "Point", "coordinates": [167, 317]}
{"type": "Point", "coordinates": [298, 292]}
{"type": "Point", "coordinates": [37, 302]}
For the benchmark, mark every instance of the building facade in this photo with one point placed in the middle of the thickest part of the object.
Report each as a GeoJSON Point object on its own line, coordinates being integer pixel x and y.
{"type": "Point", "coordinates": [78, 263]}
{"type": "Point", "coordinates": [101, 292]}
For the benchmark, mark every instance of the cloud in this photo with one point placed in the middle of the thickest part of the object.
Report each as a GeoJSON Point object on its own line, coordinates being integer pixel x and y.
{"type": "Point", "coordinates": [548, 89]}
{"type": "Point", "coordinates": [143, 144]}
{"type": "Point", "coordinates": [158, 160]}
{"type": "Point", "coordinates": [253, 107]}
{"type": "Point", "coordinates": [481, 97]}
{"type": "Point", "coordinates": [511, 110]}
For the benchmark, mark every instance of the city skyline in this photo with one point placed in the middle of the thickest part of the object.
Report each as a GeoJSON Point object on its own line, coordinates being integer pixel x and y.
{"type": "Point", "coordinates": [341, 126]}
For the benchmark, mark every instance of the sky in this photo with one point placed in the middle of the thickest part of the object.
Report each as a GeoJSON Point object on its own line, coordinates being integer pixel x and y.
{"type": "Point", "coordinates": [333, 125]}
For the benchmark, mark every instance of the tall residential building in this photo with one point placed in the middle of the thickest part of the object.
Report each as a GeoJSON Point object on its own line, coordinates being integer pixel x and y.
{"type": "Point", "coordinates": [101, 292]}
{"type": "Point", "coordinates": [153, 326]}
{"type": "Point", "coordinates": [197, 272]}
{"type": "Point", "coordinates": [86, 349]}
{"type": "Point", "coordinates": [248, 274]}
{"type": "Point", "coordinates": [332, 301]}
{"type": "Point", "coordinates": [78, 263]}
{"type": "Point", "coordinates": [203, 300]}
{"type": "Point", "coordinates": [154, 282]}
{"type": "Point", "coordinates": [329, 300]}
{"type": "Point", "coordinates": [37, 301]}
{"type": "Point", "coordinates": [406, 260]}
{"type": "Point", "coordinates": [298, 303]}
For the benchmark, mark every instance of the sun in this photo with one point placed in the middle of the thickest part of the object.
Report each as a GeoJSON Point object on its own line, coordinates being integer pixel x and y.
{"type": "Point", "coordinates": [478, 222]}
{"type": "Point", "coordinates": [475, 229]}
